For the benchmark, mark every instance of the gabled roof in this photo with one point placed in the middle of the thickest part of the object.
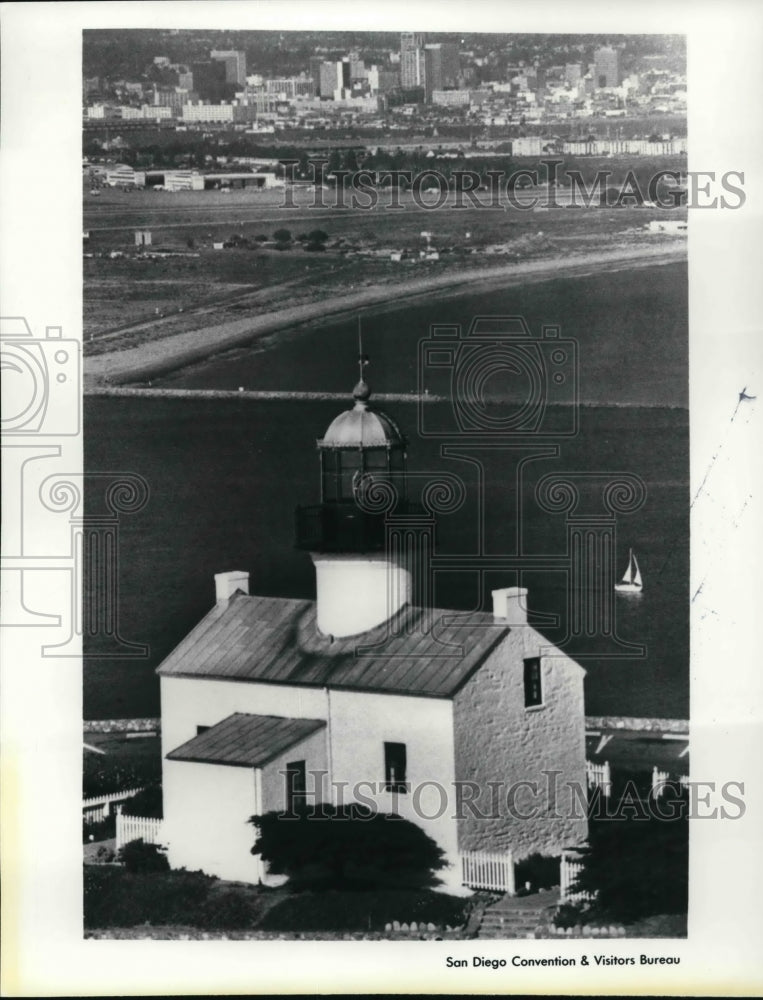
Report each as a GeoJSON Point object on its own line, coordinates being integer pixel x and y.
{"type": "Point", "coordinates": [246, 740]}
{"type": "Point", "coordinates": [275, 640]}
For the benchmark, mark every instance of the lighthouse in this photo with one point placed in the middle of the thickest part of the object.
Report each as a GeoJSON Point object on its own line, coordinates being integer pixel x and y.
{"type": "Point", "coordinates": [361, 580]}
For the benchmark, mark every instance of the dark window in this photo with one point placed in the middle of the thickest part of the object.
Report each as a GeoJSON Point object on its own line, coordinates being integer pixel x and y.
{"type": "Point", "coordinates": [533, 689]}
{"type": "Point", "coordinates": [394, 767]}
{"type": "Point", "coordinates": [201, 729]}
{"type": "Point", "coordinates": [296, 785]}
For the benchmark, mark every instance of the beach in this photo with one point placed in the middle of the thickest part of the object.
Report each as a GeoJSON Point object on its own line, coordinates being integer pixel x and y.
{"type": "Point", "coordinates": [150, 349]}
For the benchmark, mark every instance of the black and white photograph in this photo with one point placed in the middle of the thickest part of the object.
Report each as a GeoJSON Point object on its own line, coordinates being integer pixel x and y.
{"type": "Point", "coordinates": [372, 495]}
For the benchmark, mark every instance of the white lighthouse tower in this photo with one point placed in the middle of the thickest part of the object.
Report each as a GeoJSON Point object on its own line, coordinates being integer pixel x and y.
{"type": "Point", "coordinates": [360, 581]}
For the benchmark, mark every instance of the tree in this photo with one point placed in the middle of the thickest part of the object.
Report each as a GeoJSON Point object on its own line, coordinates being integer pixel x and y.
{"type": "Point", "coordinates": [638, 865]}
{"type": "Point", "coordinates": [282, 236]}
{"type": "Point", "coordinates": [317, 236]}
{"type": "Point", "coordinates": [326, 846]}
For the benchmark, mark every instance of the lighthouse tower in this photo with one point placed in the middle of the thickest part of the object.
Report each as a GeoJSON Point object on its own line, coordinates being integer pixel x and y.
{"type": "Point", "coordinates": [359, 582]}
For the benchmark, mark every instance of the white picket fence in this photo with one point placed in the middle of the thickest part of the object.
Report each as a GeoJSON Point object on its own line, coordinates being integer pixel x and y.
{"type": "Point", "coordinates": [659, 779]}
{"type": "Point", "coordinates": [488, 870]}
{"type": "Point", "coordinates": [599, 776]}
{"type": "Point", "coordinates": [137, 828]}
{"type": "Point", "coordinates": [98, 808]}
{"type": "Point", "coordinates": [570, 867]}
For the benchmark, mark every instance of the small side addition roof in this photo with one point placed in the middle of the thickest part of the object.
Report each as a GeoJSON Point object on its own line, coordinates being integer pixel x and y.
{"type": "Point", "coordinates": [244, 740]}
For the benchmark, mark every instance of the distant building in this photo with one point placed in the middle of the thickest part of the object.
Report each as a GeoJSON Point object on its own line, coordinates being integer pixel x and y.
{"type": "Point", "coordinates": [441, 68]}
{"type": "Point", "coordinates": [411, 61]}
{"type": "Point", "coordinates": [451, 98]}
{"type": "Point", "coordinates": [606, 67]}
{"type": "Point", "coordinates": [234, 62]}
{"type": "Point", "coordinates": [210, 80]}
{"type": "Point", "coordinates": [208, 112]}
{"type": "Point", "coordinates": [290, 87]}
{"type": "Point", "coordinates": [143, 238]}
{"type": "Point", "coordinates": [330, 79]}
{"type": "Point", "coordinates": [172, 98]}
{"type": "Point", "coordinates": [573, 73]}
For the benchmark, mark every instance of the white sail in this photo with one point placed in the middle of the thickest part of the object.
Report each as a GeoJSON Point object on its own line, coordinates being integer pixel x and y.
{"type": "Point", "coordinates": [631, 580]}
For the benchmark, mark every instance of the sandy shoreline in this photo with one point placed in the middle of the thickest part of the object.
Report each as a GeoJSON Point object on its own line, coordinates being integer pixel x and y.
{"type": "Point", "coordinates": [149, 360]}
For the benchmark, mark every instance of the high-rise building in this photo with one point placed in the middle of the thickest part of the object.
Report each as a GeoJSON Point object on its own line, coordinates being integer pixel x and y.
{"type": "Point", "coordinates": [330, 79]}
{"type": "Point", "coordinates": [606, 67]}
{"type": "Point", "coordinates": [209, 80]}
{"type": "Point", "coordinates": [411, 61]}
{"type": "Point", "coordinates": [234, 62]}
{"type": "Point", "coordinates": [441, 67]}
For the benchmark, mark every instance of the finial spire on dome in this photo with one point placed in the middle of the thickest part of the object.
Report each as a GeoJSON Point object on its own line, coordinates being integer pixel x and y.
{"type": "Point", "coordinates": [361, 392]}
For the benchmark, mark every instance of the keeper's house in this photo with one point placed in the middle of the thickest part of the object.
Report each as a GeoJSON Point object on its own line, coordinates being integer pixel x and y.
{"type": "Point", "coordinates": [447, 718]}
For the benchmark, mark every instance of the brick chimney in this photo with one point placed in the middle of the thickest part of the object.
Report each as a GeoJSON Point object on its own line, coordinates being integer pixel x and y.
{"type": "Point", "coordinates": [226, 584]}
{"type": "Point", "coordinates": [510, 603]}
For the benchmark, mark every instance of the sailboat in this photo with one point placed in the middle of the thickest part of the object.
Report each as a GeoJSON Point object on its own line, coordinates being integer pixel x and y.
{"type": "Point", "coordinates": [631, 582]}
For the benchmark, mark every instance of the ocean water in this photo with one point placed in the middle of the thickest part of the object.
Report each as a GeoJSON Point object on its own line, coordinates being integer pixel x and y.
{"type": "Point", "coordinates": [225, 476]}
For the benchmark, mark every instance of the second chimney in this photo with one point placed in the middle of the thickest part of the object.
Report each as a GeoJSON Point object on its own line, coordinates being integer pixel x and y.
{"type": "Point", "coordinates": [226, 584]}
{"type": "Point", "coordinates": [510, 603]}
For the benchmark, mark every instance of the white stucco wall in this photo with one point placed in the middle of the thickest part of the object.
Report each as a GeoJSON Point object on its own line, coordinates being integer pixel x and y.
{"type": "Point", "coordinates": [360, 725]}
{"type": "Point", "coordinates": [351, 748]}
{"type": "Point", "coordinates": [191, 702]}
{"type": "Point", "coordinates": [499, 740]}
{"type": "Point", "coordinates": [206, 808]}
{"type": "Point", "coordinates": [355, 593]}
{"type": "Point", "coordinates": [313, 752]}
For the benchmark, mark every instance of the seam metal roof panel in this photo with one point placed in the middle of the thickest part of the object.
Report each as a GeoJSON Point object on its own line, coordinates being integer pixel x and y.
{"type": "Point", "coordinates": [244, 740]}
{"type": "Point", "coordinates": [272, 639]}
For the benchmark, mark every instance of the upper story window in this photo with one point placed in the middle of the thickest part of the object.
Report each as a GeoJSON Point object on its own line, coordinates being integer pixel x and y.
{"type": "Point", "coordinates": [533, 685]}
{"type": "Point", "coordinates": [395, 765]}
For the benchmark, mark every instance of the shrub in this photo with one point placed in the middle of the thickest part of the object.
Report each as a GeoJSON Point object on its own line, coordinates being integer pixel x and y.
{"type": "Point", "coordinates": [365, 911]}
{"type": "Point", "coordinates": [638, 867]}
{"type": "Point", "coordinates": [114, 897]}
{"type": "Point", "coordinates": [570, 915]}
{"type": "Point", "coordinates": [541, 871]}
{"type": "Point", "coordinates": [147, 802]}
{"type": "Point", "coordinates": [282, 236]}
{"type": "Point", "coordinates": [231, 909]}
{"type": "Point", "coordinates": [138, 856]}
{"type": "Point", "coordinates": [328, 846]}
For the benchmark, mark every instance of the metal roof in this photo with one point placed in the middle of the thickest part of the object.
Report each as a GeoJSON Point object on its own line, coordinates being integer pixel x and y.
{"type": "Point", "coordinates": [246, 740]}
{"type": "Point", "coordinates": [275, 640]}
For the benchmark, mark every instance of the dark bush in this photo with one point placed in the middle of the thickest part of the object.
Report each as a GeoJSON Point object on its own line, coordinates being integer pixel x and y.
{"type": "Point", "coordinates": [638, 866]}
{"type": "Point", "coordinates": [317, 236]}
{"type": "Point", "coordinates": [138, 856]}
{"type": "Point", "coordinates": [362, 911]}
{"type": "Point", "coordinates": [282, 236]}
{"type": "Point", "coordinates": [231, 908]}
{"type": "Point", "coordinates": [114, 897]}
{"type": "Point", "coordinates": [540, 870]}
{"type": "Point", "coordinates": [570, 915]}
{"type": "Point", "coordinates": [315, 247]}
{"type": "Point", "coordinates": [328, 846]}
{"type": "Point", "coordinates": [147, 802]}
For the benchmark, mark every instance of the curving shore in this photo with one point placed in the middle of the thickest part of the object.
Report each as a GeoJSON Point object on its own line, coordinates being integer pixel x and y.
{"type": "Point", "coordinates": [151, 359]}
